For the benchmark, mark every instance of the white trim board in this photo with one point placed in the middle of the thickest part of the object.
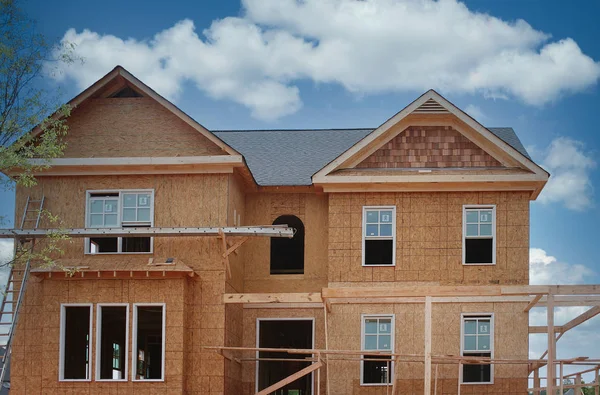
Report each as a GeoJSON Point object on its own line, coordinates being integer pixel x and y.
{"type": "Point", "coordinates": [492, 346]}
{"type": "Point", "coordinates": [61, 352]}
{"type": "Point", "coordinates": [134, 342]}
{"type": "Point", "coordinates": [99, 307]}
{"type": "Point", "coordinates": [258, 320]}
{"type": "Point", "coordinates": [363, 317]}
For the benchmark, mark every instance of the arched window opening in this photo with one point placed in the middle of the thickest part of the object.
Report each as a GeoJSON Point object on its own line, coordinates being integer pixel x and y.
{"type": "Point", "coordinates": [287, 255]}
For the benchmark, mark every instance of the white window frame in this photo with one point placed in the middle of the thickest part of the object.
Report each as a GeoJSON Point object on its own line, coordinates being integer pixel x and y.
{"type": "Point", "coordinates": [464, 233]}
{"type": "Point", "coordinates": [99, 340]}
{"type": "Point", "coordinates": [363, 318]}
{"type": "Point", "coordinates": [61, 353]}
{"type": "Point", "coordinates": [258, 321]}
{"type": "Point", "coordinates": [134, 345]}
{"type": "Point", "coordinates": [464, 316]}
{"type": "Point", "coordinates": [119, 223]}
{"type": "Point", "coordinates": [365, 237]}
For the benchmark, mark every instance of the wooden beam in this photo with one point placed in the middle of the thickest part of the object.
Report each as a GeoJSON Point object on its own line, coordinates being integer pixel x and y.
{"type": "Point", "coordinates": [235, 246]}
{"type": "Point", "coordinates": [448, 290]}
{"type": "Point", "coordinates": [225, 255]}
{"type": "Point", "coordinates": [533, 302]}
{"type": "Point", "coordinates": [578, 382]}
{"type": "Point", "coordinates": [290, 379]}
{"type": "Point", "coordinates": [536, 381]}
{"type": "Point", "coordinates": [308, 297]}
{"type": "Point", "coordinates": [284, 305]}
{"type": "Point", "coordinates": [427, 384]}
{"type": "Point", "coordinates": [591, 313]}
{"type": "Point", "coordinates": [328, 372]}
{"type": "Point", "coordinates": [551, 368]}
{"type": "Point", "coordinates": [544, 329]}
{"type": "Point", "coordinates": [571, 300]}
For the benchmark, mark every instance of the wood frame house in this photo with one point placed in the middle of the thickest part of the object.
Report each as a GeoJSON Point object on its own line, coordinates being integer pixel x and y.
{"type": "Point", "coordinates": [296, 262]}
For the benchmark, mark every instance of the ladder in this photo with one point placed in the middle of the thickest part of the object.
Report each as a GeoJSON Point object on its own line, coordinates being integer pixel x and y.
{"type": "Point", "coordinates": [17, 281]}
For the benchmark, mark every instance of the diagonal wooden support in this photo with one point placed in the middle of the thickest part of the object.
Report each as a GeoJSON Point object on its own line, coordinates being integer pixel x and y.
{"type": "Point", "coordinates": [591, 313]}
{"type": "Point", "coordinates": [289, 379]}
{"type": "Point", "coordinates": [225, 256]}
{"type": "Point", "coordinates": [533, 302]}
{"type": "Point", "coordinates": [234, 246]}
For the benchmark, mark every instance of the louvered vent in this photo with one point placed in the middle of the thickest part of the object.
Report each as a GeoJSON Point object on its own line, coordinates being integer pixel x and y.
{"type": "Point", "coordinates": [431, 107]}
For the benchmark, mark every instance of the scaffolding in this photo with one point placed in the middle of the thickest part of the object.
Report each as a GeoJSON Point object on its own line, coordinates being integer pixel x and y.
{"type": "Point", "coordinates": [547, 296]}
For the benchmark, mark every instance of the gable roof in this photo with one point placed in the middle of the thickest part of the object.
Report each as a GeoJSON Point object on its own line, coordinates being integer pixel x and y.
{"type": "Point", "coordinates": [120, 72]}
{"type": "Point", "coordinates": [292, 156]}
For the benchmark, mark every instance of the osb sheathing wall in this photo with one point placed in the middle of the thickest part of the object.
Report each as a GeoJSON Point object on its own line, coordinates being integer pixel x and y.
{"type": "Point", "coordinates": [429, 238]}
{"type": "Point", "coordinates": [180, 200]}
{"type": "Point", "coordinates": [510, 341]}
{"type": "Point", "coordinates": [249, 324]}
{"type": "Point", "coordinates": [264, 208]}
{"type": "Point", "coordinates": [35, 357]}
{"type": "Point", "coordinates": [132, 127]}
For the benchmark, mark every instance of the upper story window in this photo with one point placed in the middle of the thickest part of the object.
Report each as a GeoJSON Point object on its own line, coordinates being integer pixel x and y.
{"type": "Point", "coordinates": [477, 340]}
{"type": "Point", "coordinates": [479, 235]}
{"type": "Point", "coordinates": [116, 209]}
{"type": "Point", "coordinates": [287, 255]}
{"type": "Point", "coordinates": [377, 335]}
{"type": "Point", "coordinates": [379, 236]}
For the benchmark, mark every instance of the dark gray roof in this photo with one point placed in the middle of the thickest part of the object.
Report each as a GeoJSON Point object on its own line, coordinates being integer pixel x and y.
{"type": "Point", "coordinates": [291, 157]}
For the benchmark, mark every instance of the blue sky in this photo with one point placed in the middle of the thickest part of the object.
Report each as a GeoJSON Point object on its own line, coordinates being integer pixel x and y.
{"type": "Point", "coordinates": [346, 64]}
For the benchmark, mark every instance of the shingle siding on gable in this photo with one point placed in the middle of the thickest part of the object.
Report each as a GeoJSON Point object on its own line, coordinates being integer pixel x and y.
{"type": "Point", "coordinates": [429, 146]}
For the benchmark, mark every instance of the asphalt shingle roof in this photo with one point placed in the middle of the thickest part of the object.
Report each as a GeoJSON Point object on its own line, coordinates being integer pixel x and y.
{"type": "Point", "coordinates": [291, 157]}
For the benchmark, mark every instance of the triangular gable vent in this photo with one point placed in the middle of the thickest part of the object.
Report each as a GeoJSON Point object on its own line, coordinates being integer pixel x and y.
{"type": "Point", "coordinates": [431, 107]}
{"type": "Point", "coordinates": [127, 91]}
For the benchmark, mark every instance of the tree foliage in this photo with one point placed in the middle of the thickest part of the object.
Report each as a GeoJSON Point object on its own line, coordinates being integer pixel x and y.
{"type": "Point", "coordinates": [25, 59]}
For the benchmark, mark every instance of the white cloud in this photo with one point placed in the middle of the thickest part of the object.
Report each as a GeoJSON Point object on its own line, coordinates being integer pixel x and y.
{"type": "Point", "coordinates": [546, 269]}
{"type": "Point", "coordinates": [569, 165]}
{"type": "Point", "coordinates": [475, 111]}
{"type": "Point", "coordinates": [368, 46]}
{"type": "Point", "coordinates": [6, 254]}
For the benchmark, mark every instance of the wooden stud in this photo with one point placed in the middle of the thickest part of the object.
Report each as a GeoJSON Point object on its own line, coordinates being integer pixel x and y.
{"type": "Point", "coordinates": [533, 302]}
{"type": "Point", "coordinates": [459, 376]}
{"type": "Point", "coordinates": [436, 380]}
{"type": "Point", "coordinates": [427, 384]}
{"type": "Point", "coordinates": [560, 380]}
{"type": "Point", "coordinates": [536, 381]}
{"type": "Point", "coordinates": [325, 316]}
{"type": "Point", "coordinates": [597, 388]}
{"type": "Point", "coordinates": [551, 368]}
{"type": "Point", "coordinates": [578, 390]}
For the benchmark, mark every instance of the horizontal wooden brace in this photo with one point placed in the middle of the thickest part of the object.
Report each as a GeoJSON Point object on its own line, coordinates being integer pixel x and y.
{"type": "Point", "coordinates": [310, 297]}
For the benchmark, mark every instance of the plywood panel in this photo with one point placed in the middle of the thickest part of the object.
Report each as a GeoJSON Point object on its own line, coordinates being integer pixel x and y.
{"type": "Point", "coordinates": [132, 127]}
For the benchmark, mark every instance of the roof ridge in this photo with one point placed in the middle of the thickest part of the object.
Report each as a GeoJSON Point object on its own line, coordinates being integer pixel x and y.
{"type": "Point", "coordinates": [288, 130]}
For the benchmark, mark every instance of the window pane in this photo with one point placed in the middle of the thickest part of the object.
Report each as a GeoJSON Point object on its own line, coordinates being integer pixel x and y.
{"type": "Point", "coordinates": [112, 339]}
{"type": "Point", "coordinates": [470, 343]}
{"type": "Point", "coordinates": [379, 252]}
{"type": "Point", "coordinates": [470, 327]}
{"type": "Point", "coordinates": [385, 326]}
{"type": "Point", "coordinates": [385, 342]}
{"type": "Point", "coordinates": [385, 216]}
{"type": "Point", "coordinates": [372, 217]}
{"type": "Point", "coordinates": [483, 342]}
{"type": "Point", "coordinates": [128, 214]}
{"type": "Point", "coordinates": [96, 206]}
{"type": "Point", "coordinates": [372, 230]}
{"type": "Point", "coordinates": [148, 351]}
{"type": "Point", "coordinates": [479, 250]}
{"type": "Point", "coordinates": [110, 220]}
{"type": "Point", "coordinates": [485, 230]}
{"type": "Point", "coordinates": [111, 206]}
{"type": "Point", "coordinates": [371, 326]}
{"type": "Point", "coordinates": [472, 216]}
{"type": "Point", "coordinates": [370, 342]}
{"type": "Point", "coordinates": [485, 216]}
{"type": "Point", "coordinates": [385, 230]}
{"type": "Point", "coordinates": [483, 327]}
{"type": "Point", "coordinates": [96, 220]}
{"type": "Point", "coordinates": [129, 199]}
{"type": "Point", "coordinates": [76, 332]}
{"type": "Point", "coordinates": [143, 214]}
{"type": "Point", "coordinates": [376, 372]}
{"type": "Point", "coordinates": [143, 200]}
{"type": "Point", "coordinates": [472, 230]}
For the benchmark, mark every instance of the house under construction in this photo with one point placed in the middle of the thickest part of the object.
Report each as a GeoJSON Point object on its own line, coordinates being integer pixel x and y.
{"type": "Point", "coordinates": [392, 260]}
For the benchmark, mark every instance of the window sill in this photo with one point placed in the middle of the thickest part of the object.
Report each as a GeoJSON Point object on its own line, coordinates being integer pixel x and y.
{"type": "Point", "coordinates": [74, 380]}
{"type": "Point", "coordinates": [375, 384]}
{"type": "Point", "coordinates": [479, 264]}
{"type": "Point", "coordinates": [287, 276]}
{"type": "Point", "coordinates": [148, 381]}
{"type": "Point", "coordinates": [118, 253]}
{"type": "Point", "coordinates": [470, 383]}
{"type": "Point", "coordinates": [111, 381]}
{"type": "Point", "coordinates": [379, 265]}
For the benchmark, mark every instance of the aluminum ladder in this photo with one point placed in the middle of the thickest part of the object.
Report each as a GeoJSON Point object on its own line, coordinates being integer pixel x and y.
{"type": "Point", "coordinates": [16, 284]}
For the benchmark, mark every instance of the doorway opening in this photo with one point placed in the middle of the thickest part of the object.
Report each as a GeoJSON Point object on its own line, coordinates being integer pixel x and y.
{"type": "Point", "coordinates": [284, 333]}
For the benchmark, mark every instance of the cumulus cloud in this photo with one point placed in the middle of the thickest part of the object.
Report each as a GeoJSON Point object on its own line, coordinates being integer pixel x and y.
{"type": "Point", "coordinates": [546, 269]}
{"type": "Point", "coordinates": [570, 166]}
{"type": "Point", "coordinates": [367, 47]}
{"type": "Point", "coordinates": [6, 254]}
{"type": "Point", "coordinates": [475, 111]}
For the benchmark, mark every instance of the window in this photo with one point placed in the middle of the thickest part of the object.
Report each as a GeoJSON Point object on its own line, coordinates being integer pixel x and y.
{"type": "Point", "coordinates": [148, 342]}
{"type": "Point", "coordinates": [287, 255]}
{"type": "Point", "coordinates": [379, 236]}
{"type": "Point", "coordinates": [75, 342]}
{"type": "Point", "coordinates": [479, 235]}
{"type": "Point", "coordinates": [377, 335]}
{"type": "Point", "coordinates": [112, 325]}
{"type": "Point", "coordinates": [477, 340]}
{"type": "Point", "coordinates": [119, 209]}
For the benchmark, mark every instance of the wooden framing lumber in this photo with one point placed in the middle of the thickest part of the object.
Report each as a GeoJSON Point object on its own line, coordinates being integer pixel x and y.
{"type": "Point", "coordinates": [284, 305]}
{"type": "Point", "coordinates": [533, 303]}
{"type": "Point", "coordinates": [427, 379]}
{"type": "Point", "coordinates": [292, 378]}
{"type": "Point", "coordinates": [551, 368]}
{"type": "Point", "coordinates": [309, 297]}
{"type": "Point", "coordinates": [594, 311]}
